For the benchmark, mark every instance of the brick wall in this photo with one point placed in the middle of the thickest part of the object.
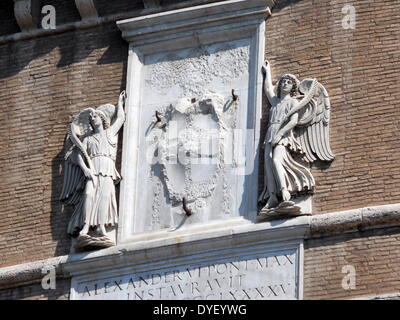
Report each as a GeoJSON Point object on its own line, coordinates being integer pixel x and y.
{"type": "Point", "coordinates": [360, 69]}
{"type": "Point", "coordinates": [46, 80]}
{"type": "Point", "coordinates": [43, 82]}
{"type": "Point", "coordinates": [36, 292]}
{"type": "Point", "coordinates": [374, 254]}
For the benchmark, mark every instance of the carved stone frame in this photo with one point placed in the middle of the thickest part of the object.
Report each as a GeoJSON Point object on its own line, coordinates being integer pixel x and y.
{"type": "Point", "coordinates": [189, 28]}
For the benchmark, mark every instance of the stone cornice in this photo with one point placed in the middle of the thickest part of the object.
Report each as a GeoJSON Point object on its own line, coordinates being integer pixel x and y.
{"type": "Point", "coordinates": [323, 225]}
{"type": "Point", "coordinates": [26, 13]}
{"type": "Point", "coordinates": [28, 273]}
{"type": "Point", "coordinates": [186, 24]}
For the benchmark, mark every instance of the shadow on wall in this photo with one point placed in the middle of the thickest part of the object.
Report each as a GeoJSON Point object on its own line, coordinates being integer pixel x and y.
{"type": "Point", "coordinates": [73, 47]}
{"type": "Point", "coordinates": [281, 4]}
{"type": "Point", "coordinates": [8, 24]}
{"type": "Point", "coordinates": [61, 214]}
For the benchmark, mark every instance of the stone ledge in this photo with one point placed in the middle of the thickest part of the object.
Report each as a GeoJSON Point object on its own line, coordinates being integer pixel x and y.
{"type": "Point", "coordinates": [144, 249]}
{"type": "Point", "coordinates": [323, 225]}
{"type": "Point", "coordinates": [318, 226]}
{"type": "Point", "coordinates": [28, 273]}
{"type": "Point", "coordinates": [390, 296]}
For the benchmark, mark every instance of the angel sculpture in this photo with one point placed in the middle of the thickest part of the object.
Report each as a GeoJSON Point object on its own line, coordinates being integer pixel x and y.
{"type": "Point", "coordinates": [298, 134]}
{"type": "Point", "coordinates": [90, 174]}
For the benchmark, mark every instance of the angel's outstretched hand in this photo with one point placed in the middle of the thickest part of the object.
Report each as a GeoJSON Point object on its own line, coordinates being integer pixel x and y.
{"type": "Point", "coordinates": [122, 98]}
{"type": "Point", "coordinates": [265, 67]}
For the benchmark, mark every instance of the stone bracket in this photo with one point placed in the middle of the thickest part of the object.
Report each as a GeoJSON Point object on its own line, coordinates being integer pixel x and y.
{"type": "Point", "coordinates": [27, 14]}
{"type": "Point", "coordinates": [151, 3]}
{"type": "Point", "coordinates": [87, 9]}
{"type": "Point", "coordinates": [191, 27]}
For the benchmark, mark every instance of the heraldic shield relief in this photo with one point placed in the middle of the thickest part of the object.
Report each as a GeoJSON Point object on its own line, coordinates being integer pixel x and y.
{"type": "Point", "coordinates": [194, 145]}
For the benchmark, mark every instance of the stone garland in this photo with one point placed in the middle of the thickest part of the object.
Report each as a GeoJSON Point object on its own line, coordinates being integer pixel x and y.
{"type": "Point", "coordinates": [197, 193]}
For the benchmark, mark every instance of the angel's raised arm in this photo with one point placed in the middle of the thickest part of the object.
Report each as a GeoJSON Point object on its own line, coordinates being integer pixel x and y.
{"type": "Point", "coordinates": [120, 115]}
{"type": "Point", "coordinates": [268, 87]}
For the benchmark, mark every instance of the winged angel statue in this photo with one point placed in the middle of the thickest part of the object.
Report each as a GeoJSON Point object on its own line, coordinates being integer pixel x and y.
{"type": "Point", "coordinates": [298, 134]}
{"type": "Point", "coordinates": [90, 174]}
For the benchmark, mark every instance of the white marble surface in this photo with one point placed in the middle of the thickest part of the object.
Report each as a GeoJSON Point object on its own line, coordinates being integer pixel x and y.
{"type": "Point", "coordinates": [185, 53]}
{"type": "Point", "coordinates": [258, 274]}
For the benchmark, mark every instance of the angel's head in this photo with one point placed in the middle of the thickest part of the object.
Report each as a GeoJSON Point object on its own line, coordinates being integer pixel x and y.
{"type": "Point", "coordinates": [98, 119]}
{"type": "Point", "coordinates": [287, 85]}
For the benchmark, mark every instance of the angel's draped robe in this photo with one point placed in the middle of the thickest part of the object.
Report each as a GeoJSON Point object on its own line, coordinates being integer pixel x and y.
{"type": "Point", "coordinates": [297, 177]}
{"type": "Point", "coordinates": [102, 149]}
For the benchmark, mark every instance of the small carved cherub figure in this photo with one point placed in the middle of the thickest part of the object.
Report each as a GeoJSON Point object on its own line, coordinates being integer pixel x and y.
{"type": "Point", "coordinates": [298, 133]}
{"type": "Point", "coordinates": [90, 174]}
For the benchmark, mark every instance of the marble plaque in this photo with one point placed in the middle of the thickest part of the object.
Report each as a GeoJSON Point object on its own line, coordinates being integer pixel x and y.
{"type": "Point", "coordinates": [191, 73]}
{"type": "Point", "coordinates": [189, 55]}
{"type": "Point", "coordinates": [256, 277]}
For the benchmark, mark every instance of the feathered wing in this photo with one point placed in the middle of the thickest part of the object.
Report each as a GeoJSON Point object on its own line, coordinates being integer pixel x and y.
{"type": "Point", "coordinates": [74, 179]}
{"type": "Point", "coordinates": [312, 131]}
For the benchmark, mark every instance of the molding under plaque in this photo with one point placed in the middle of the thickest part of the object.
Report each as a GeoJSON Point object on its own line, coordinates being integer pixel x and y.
{"type": "Point", "coordinates": [194, 26]}
{"type": "Point", "coordinates": [185, 54]}
{"type": "Point", "coordinates": [260, 261]}
{"type": "Point", "coordinates": [321, 225]}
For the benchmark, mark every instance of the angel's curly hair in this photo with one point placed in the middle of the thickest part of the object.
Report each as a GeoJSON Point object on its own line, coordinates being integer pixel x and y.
{"type": "Point", "coordinates": [293, 92]}
{"type": "Point", "coordinates": [104, 120]}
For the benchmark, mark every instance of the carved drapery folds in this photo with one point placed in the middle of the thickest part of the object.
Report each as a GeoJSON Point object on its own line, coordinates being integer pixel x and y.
{"type": "Point", "coordinates": [90, 174]}
{"type": "Point", "coordinates": [298, 135]}
{"type": "Point", "coordinates": [27, 14]}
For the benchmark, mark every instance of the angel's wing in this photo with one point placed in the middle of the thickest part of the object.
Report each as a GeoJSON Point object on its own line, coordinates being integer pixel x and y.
{"type": "Point", "coordinates": [74, 179]}
{"type": "Point", "coordinates": [312, 131]}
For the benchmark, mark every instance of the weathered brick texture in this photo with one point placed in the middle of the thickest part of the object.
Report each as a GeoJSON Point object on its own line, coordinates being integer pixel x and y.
{"type": "Point", "coordinates": [36, 292]}
{"type": "Point", "coordinates": [375, 255]}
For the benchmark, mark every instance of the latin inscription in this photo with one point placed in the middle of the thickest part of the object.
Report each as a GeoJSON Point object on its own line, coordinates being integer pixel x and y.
{"type": "Point", "coordinates": [271, 277]}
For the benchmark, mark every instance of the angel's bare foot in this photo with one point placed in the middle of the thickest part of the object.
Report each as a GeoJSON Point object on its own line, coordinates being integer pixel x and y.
{"type": "Point", "coordinates": [102, 230]}
{"type": "Point", "coordinates": [85, 230]}
{"type": "Point", "coordinates": [272, 202]}
{"type": "Point", "coordinates": [285, 195]}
